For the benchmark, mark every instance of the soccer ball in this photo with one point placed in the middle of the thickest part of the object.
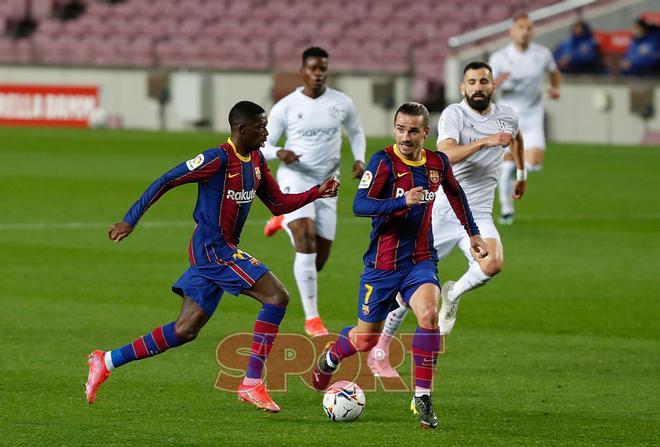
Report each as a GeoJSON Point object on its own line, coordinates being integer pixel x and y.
{"type": "Point", "coordinates": [343, 401]}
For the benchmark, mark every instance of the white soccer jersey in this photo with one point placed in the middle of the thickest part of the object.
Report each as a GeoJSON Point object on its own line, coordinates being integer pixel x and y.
{"type": "Point", "coordinates": [313, 131]}
{"type": "Point", "coordinates": [522, 91]}
{"type": "Point", "coordinates": [478, 173]}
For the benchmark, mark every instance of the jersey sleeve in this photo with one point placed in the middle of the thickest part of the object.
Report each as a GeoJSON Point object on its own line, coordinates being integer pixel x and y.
{"type": "Point", "coordinates": [550, 64]}
{"type": "Point", "coordinates": [276, 127]}
{"type": "Point", "coordinates": [275, 200]}
{"type": "Point", "coordinates": [197, 169]}
{"type": "Point", "coordinates": [457, 198]}
{"type": "Point", "coordinates": [370, 199]}
{"type": "Point", "coordinates": [494, 62]}
{"type": "Point", "coordinates": [355, 132]}
{"type": "Point", "coordinates": [515, 123]}
{"type": "Point", "coordinates": [449, 125]}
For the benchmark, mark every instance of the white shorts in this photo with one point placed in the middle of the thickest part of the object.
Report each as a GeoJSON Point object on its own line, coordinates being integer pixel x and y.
{"type": "Point", "coordinates": [322, 211]}
{"type": "Point", "coordinates": [531, 125]}
{"type": "Point", "coordinates": [534, 138]}
{"type": "Point", "coordinates": [448, 232]}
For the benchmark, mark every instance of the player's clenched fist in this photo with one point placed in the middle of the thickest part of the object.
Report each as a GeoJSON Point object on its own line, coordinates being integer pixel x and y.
{"type": "Point", "coordinates": [479, 246]}
{"type": "Point", "coordinates": [329, 187]}
{"type": "Point", "coordinates": [519, 188]}
{"type": "Point", "coordinates": [119, 231]}
{"type": "Point", "coordinates": [414, 196]}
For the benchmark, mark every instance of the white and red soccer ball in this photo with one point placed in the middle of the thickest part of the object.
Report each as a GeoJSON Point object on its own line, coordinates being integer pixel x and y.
{"type": "Point", "coordinates": [343, 401]}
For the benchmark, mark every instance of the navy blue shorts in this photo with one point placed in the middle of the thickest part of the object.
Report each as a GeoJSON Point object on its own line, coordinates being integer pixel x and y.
{"type": "Point", "coordinates": [206, 283]}
{"type": "Point", "coordinates": [378, 288]}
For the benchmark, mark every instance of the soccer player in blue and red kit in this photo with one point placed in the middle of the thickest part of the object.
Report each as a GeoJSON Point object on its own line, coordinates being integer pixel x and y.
{"type": "Point", "coordinates": [397, 191]}
{"type": "Point", "coordinates": [228, 178]}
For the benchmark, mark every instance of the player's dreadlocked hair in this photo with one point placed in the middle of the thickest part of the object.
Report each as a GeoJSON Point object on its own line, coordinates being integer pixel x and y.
{"type": "Point", "coordinates": [243, 112]}
{"type": "Point", "coordinates": [313, 52]}
{"type": "Point", "coordinates": [414, 109]}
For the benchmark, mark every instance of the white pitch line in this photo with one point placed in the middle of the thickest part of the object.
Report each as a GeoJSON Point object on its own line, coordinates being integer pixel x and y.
{"type": "Point", "coordinates": [38, 226]}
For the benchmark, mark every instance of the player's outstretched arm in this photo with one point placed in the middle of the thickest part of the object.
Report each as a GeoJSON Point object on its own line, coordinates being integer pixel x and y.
{"type": "Point", "coordinates": [200, 168]}
{"type": "Point", "coordinates": [279, 203]}
{"type": "Point", "coordinates": [457, 199]}
{"type": "Point", "coordinates": [119, 231]}
{"type": "Point", "coordinates": [357, 139]}
{"type": "Point", "coordinates": [518, 153]}
{"type": "Point", "coordinates": [555, 81]}
{"type": "Point", "coordinates": [329, 188]}
{"type": "Point", "coordinates": [459, 152]}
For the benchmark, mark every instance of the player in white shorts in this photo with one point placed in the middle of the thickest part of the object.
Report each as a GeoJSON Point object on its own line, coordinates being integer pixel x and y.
{"type": "Point", "coordinates": [519, 69]}
{"type": "Point", "coordinates": [312, 117]}
{"type": "Point", "coordinates": [474, 134]}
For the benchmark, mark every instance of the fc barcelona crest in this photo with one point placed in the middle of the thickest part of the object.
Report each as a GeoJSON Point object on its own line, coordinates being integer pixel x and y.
{"type": "Point", "coordinates": [257, 172]}
{"type": "Point", "coordinates": [434, 176]}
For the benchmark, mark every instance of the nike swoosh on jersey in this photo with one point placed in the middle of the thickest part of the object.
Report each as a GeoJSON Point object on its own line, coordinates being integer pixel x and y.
{"type": "Point", "coordinates": [234, 174]}
{"type": "Point", "coordinates": [401, 174]}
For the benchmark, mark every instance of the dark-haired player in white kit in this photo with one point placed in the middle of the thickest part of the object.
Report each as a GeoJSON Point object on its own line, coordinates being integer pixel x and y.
{"type": "Point", "coordinates": [312, 117]}
{"type": "Point", "coordinates": [474, 134]}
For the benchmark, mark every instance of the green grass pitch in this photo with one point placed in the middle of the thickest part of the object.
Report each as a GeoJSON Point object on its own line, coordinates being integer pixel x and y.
{"type": "Point", "coordinates": [562, 349]}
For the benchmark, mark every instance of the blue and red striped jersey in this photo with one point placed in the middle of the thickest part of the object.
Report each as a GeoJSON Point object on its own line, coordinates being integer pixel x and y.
{"type": "Point", "coordinates": [227, 185]}
{"type": "Point", "coordinates": [402, 236]}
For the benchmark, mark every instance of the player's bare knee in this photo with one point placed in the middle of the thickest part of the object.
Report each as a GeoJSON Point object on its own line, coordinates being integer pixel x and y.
{"type": "Point", "coordinates": [187, 330]}
{"type": "Point", "coordinates": [305, 243]}
{"type": "Point", "coordinates": [365, 342]}
{"type": "Point", "coordinates": [280, 297]}
{"type": "Point", "coordinates": [428, 317]}
{"type": "Point", "coordinates": [492, 267]}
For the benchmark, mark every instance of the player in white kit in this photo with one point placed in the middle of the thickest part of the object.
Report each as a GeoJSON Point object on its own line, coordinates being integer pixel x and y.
{"type": "Point", "coordinates": [519, 70]}
{"type": "Point", "coordinates": [312, 117]}
{"type": "Point", "coordinates": [474, 134]}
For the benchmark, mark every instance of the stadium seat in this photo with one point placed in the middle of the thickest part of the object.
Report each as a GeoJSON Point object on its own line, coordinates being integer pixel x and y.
{"type": "Point", "coordinates": [613, 42]}
{"type": "Point", "coordinates": [391, 36]}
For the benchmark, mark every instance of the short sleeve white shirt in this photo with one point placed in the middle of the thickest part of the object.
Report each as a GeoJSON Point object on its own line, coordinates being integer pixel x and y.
{"type": "Point", "coordinates": [478, 173]}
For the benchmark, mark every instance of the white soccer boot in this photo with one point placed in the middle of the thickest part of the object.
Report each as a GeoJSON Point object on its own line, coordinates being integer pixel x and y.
{"type": "Point", "coordinates": [447, 316]}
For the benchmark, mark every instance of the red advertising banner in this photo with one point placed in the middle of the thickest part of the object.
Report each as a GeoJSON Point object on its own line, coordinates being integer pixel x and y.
{"type": "Point", "coordinates": [47, 105]}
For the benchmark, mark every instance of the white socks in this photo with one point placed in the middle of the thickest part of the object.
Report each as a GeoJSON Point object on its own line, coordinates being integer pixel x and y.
{"type": "Point", "coordinates": [107, 359]}
{"type": "Point", "coordinates": [419, 392]}
{"type": "Point", "coordinates": [392, 324]}
{"type": "Point", "coordinates": [473, 278]}
{"type": "Point", "coordinates": [394, 320]}
{"type": "Point", "coordinates": [507, 177]}
{"type": "Point", "coordinates": [304, 269]}
{"type": "Point", "coordinates": [533, 168]}
{"type": "Point", "coordinates": [328, 360]}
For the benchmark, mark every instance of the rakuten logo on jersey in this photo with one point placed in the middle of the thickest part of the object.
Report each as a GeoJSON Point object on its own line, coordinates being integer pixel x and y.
{"type": "Point", "coordinates": [241, 196]}
{"type": "Point", "coordinates": [429, 196]}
